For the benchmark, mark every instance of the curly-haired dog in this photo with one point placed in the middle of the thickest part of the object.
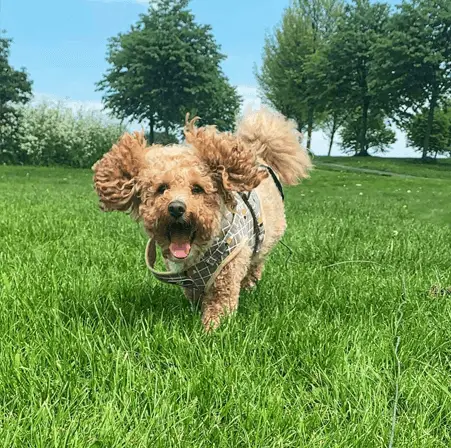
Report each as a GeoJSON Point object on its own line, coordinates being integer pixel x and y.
{"type": "Point", "coordinates": [214, 205]}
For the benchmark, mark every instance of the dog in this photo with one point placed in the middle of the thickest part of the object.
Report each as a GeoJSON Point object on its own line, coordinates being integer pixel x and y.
{"type": "Point", "coordinates": [214, 205]}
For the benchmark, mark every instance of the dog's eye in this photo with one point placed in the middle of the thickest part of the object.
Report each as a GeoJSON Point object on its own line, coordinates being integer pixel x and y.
{"type": "Point", "coordinates": [162, 188]}
{"type": "Point", "coordinates": [197, 189]}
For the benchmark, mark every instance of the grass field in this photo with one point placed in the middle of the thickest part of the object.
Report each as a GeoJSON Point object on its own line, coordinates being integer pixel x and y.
{"type": "Point", "coordinates": [95, 353]}
{"type": "Point", "coordinates": [437, 169]}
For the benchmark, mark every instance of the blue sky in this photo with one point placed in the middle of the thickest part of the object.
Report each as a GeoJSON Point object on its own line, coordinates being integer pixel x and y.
{"type": "Point", "coordinates": [62, 43]}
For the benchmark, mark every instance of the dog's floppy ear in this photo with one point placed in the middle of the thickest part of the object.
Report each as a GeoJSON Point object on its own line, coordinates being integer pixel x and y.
{"type": "Point", "coordinates": [228, 157]}
{"type": "Point", "coordinates": [115, 175]}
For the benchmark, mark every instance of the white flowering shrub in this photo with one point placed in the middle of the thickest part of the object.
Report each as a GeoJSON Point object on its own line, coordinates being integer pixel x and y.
{"type": "Point", "coordinates": [48, 134]}
{"type": "Point", "coordinates": [9, 126]}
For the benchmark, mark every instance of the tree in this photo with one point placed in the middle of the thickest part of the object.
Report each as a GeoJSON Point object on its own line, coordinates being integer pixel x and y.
{"type": "Point", "coordinates": [414, 60]}
{"type": "Point", "coordinates": [322, 16]}
{"type": "Point", "coordinates": [284, 54]}
{"type": "Point", "coordinates": [284, 76]}
{"type": "Point", "coordinates": [379, 136]}
{"type": "Point", "coordinates": [331, 124]}
{"type": "Point", "coordinates": [351, 68]}
{"type": "Point", "coordinates": [15, 89]}
{"type": "Point", "coordinates": [220, 106]}
{"type": "Point", "coordinates": [324, 89]}
{"type": "Point", "coordinates": [439, 133]}
{"type": "Point", "coordinates": [165, 66]}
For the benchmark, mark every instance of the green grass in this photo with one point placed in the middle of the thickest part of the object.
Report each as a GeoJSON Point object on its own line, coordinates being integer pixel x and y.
{"type": "Point", "coordinates": [95, 353]}
{"type": "Point", "coordinates": [438, 169]}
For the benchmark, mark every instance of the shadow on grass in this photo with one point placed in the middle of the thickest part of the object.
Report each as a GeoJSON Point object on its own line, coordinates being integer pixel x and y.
{"type": "Point", "coordinates": [130, 304]}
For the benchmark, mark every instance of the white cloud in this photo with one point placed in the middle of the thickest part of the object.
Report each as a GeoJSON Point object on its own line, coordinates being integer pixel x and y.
{"type": "Point", "coordinates": [67, 102]}
{"type": "Point", "coordinates": [250, 97]}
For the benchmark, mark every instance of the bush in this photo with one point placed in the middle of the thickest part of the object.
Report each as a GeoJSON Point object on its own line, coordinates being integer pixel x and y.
{"type": "Point", "coordinates": [56, 135]}
{"type": "Point", "coordinates": [9, 127]}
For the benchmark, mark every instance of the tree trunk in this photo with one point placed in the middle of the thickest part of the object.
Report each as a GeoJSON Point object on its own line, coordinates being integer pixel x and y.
{"type": "Point", "coordinates": [363, 149]}
{"type": "Point", "coordinates": [309, 129]}
{"type": "Point", "coordinates": [332, 134]}
{"type": "Point", "coordinates": [431, 112]}
{"type": "Point", "coordinates": [151, 130]}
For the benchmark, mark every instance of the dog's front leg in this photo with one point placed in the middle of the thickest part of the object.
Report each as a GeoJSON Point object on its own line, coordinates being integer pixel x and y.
{"type": "Point", "coordinates": [222, 299]}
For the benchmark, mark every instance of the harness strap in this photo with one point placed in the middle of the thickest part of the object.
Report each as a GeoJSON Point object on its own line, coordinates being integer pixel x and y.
{"type": "Point", "coordinates": [181, 279]}
{"type": "Point", "coordinates": [276, 180]}
{"type": "Point", "coordinates": [255, 221]}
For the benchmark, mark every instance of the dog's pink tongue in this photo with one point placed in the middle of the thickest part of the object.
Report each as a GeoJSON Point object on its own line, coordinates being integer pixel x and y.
{"type": "Point", "coordinates": [180, 250]}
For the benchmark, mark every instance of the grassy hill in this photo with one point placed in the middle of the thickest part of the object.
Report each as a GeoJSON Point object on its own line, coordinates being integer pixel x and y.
{"type": "Point", "coordinates": [96, 353]}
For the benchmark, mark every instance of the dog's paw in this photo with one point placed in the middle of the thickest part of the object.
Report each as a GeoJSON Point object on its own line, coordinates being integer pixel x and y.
{"type": "Point", "coordinates": [211, 323]}
{"type": "Point", "coordinates": [252, 278]}
{"type": "Point", "coordinates": [249, 283]}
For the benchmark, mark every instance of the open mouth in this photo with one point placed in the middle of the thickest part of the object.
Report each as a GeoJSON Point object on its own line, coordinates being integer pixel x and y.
{"type": "Point", "coordinates": [181, 236]}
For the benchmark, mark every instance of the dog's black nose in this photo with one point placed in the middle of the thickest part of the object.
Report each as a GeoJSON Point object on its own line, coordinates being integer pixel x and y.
{"type": "Point", "coordinates": [176, 209]}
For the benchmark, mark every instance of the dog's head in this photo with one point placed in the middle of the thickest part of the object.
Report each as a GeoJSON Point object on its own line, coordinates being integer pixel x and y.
{"type": "Point", "coordinates": [179, 192]}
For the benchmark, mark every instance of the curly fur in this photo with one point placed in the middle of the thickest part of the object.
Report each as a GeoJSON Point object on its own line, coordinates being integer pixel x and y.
{"type": "Point", "coordinates": [232, 163]}
{"type": "Point", "coordinates": [275, 140]}
{"type": "Point", "coordinates": [180, 168]}
{"type": "Point", "coordinates": [203, 174]}
{"type": "Point", "coordinates": [227, 155]}
{"type": "Point", "coordinates": [116, 174]}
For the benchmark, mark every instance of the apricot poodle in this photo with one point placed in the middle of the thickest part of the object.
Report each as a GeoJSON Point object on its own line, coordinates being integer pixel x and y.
{"type": "Point", "coordinates": [213, 205]}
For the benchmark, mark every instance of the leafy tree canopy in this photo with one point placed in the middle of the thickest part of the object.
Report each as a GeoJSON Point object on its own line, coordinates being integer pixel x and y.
{"type": "Point", "coordinates": [414, 62]}
{"type": "Point", "coordinates": [165, 66]}
{"type": "Point", "coordinates": [285, 79]}
{"type": "Point", "coordinates": [351, 68]}
{"type": "Point", "coordinates": [15, 90]}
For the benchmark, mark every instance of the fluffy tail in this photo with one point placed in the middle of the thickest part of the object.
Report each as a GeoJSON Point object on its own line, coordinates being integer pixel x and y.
{"type": "Point", "coordinates": [276, 142]}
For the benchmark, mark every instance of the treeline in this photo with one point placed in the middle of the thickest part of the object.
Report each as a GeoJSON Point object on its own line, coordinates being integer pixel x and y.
{"type": "Point", "coordinates": [353, 69]}
{"type": "Point", "coordinates": [360, 68]}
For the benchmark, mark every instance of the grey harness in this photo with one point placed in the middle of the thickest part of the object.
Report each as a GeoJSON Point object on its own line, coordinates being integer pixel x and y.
{"type": "Point", "coordinates": [242, 226]}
